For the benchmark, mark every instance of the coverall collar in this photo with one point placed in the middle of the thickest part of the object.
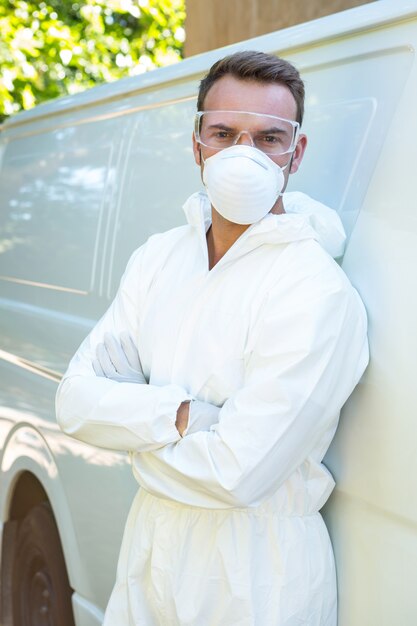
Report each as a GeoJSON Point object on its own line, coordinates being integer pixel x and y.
{"type": "Point", "coordinates": [274, 228]}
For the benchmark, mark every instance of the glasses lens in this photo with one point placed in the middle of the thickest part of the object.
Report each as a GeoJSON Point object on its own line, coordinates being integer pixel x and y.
{"type": "Point", "coordinates": [222, 129]}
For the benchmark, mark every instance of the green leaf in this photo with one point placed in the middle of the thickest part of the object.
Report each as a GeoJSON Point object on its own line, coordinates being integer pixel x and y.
{"type": "Point", "coordinates": [57, 47]}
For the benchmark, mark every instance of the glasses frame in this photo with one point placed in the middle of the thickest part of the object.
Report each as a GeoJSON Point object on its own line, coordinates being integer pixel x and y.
{"type": "Point", "coordinates": [294, 124]}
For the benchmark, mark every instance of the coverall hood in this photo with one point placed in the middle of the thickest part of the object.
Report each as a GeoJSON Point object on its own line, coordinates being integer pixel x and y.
{"type": "Point", "coordinates": [304, 218]}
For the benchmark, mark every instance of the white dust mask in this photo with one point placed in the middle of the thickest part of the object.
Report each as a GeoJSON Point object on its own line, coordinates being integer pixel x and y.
{"type": "Point", "coordinates": [242, 183]}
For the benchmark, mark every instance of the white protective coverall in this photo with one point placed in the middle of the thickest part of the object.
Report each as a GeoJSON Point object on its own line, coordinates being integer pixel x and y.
{"type": "Point", "coordinates": [226, 529]}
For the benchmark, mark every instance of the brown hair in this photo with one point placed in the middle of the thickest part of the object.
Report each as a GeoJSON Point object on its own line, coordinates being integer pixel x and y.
{"type": "Point", "coordinates": [256, 66]}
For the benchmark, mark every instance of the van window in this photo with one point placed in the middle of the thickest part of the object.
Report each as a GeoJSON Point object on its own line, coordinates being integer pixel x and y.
{"type": "Point", "coordinates": [53, 186]}
{"type": "Point", "coordinates": [160, 174]}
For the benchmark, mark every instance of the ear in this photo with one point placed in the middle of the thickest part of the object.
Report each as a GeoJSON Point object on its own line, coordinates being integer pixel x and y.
{"type": "Point", "coordinates": [298, 153]}
{"type": "Point", "coordinates": [196, 150]}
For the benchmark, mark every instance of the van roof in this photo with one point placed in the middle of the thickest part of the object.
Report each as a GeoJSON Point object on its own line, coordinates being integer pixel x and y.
{"type": "Point", "coordinates": [373, 15]}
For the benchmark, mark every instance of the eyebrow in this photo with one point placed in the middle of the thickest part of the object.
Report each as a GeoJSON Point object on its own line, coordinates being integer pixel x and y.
{"type": "Point", "coordinates": [274, 130]}
{"type": "Point", "coordinates": [222, 126]}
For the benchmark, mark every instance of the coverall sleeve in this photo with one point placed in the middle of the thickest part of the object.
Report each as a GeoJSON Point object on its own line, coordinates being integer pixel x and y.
{"type": "Point", "coordinates": [109, 414]}
{"type": "Point", "coordinates": [202, 415]}
{"type": "Point", "coordinates": [309, 352]}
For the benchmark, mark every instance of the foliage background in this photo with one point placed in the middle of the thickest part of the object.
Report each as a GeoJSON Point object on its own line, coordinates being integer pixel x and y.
{"type": "Point", "coordinates": [58, 47]}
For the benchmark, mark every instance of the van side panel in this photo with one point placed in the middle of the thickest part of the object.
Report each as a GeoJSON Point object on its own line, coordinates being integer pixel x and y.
{"type": "Point", "coordinates": [54, 225]}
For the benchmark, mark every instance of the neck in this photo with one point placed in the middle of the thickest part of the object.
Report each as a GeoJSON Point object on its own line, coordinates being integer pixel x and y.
{"type": "Point", "coordinates": [278, 206]}
{"type": "Point", "coordinates": [223, 234]}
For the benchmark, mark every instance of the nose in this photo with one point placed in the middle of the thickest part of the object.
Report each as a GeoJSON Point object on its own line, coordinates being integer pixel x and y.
{"type": "Point", "coordinates": [244, 138]}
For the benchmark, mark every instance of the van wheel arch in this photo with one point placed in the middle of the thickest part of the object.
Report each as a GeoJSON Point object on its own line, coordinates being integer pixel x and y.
{"type": "Point", "coordinates": [34, 586]}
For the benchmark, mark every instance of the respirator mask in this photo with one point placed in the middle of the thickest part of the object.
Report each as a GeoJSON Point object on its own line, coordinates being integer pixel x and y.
{"type": "Point", "coordinates": [242, 181]}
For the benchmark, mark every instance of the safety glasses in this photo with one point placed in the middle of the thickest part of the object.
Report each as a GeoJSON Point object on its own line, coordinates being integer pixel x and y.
{"type": "Point", "coordinates": [221, 129]}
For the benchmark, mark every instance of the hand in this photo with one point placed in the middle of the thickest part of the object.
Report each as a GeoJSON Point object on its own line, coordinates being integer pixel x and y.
{"type": "Point", "coordinates": [182, 416]}
{"type": "Point", "coordinates": [118, 359]}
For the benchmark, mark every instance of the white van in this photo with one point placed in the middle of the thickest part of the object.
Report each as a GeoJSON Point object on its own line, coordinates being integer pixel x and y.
{"type": "Point", "coordinates": [86, 179]}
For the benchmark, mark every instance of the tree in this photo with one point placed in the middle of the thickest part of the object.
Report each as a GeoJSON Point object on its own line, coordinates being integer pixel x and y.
{"type": "Point", "coordinates": [59, 47]}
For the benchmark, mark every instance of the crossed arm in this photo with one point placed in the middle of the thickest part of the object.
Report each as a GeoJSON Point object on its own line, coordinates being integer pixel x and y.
{"type": "Point", "coordinates": [307, 358]}
{"type": "Point", "coordinates": [117, 358]}
{"type": "Point", "coordinates": [117, 413]}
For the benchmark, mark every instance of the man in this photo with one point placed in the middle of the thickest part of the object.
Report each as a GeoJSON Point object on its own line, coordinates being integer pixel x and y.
{"type": "Point", "coordinates": [250, 340]}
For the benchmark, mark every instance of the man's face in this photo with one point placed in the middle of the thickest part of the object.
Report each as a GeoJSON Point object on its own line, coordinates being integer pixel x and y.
{"type": "Point", "coordinates": [232, 94]}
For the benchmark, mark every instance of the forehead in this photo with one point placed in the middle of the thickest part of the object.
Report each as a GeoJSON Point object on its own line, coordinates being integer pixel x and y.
{"type": "Point", "coordinates": [233, 94]}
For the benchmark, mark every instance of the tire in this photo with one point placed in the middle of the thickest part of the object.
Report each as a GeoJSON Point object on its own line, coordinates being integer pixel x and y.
{"type": "Point", "coordinates": [41, 593]}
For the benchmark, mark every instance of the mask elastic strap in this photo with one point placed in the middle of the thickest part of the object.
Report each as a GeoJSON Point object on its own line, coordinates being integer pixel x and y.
{"type": "Point", "coordinates": [201, 154]}
{"type": "Point", "coordinates": [289, 163]}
